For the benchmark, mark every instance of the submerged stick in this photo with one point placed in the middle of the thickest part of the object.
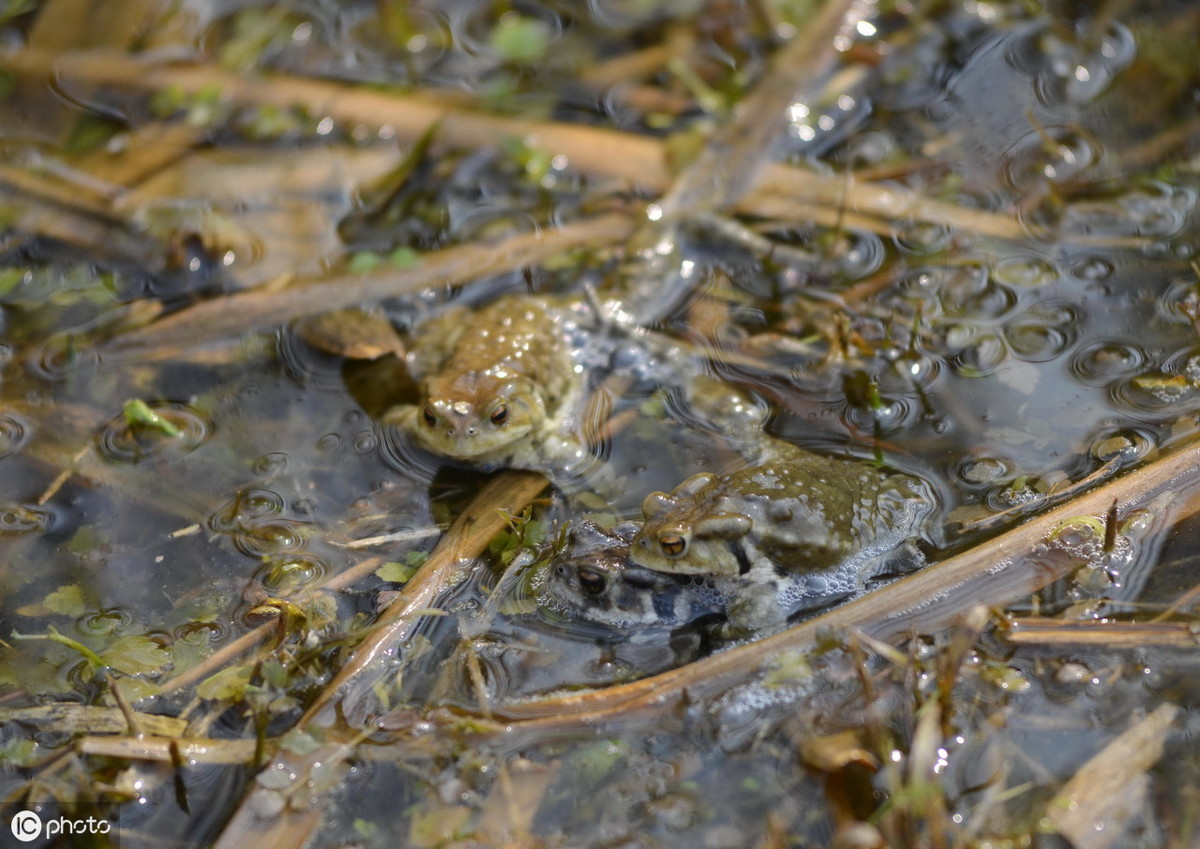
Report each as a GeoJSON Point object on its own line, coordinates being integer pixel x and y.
{"type": "Point", "coordinates": [1057, 633]}
{"type": "Point", "coordinates": [1112, 787]}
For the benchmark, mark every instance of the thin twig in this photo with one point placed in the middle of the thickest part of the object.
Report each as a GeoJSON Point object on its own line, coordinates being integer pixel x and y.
{"type": "Point", "coordinates": [1034, 631]}
{"type": "Point", "coordinates": [1106, 790]}
{"type": "Point", "coordinates": [1182, 603]}
{"type": "Point", "coordinates": [506, 493]}
{"type": "Point", "coordinates": [197, 750]}
{"type": "Point", "coordinates": [233, 315]}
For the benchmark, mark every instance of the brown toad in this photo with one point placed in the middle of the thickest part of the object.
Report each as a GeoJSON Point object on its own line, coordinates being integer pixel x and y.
{"type": "Point", "coordinates": [794, 512]}
{"type": "Point", "coordinates": [499, 388]}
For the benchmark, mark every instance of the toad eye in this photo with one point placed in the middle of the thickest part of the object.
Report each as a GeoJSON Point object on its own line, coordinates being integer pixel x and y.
{"type": "Point", "coordinates": [672, 545]}
{"type": "Point", "coordinates": [591, 582]}
{"type": "Point", "coordinates": [499, 415]}
{"type": "Point", "coordinates": [429, 416]}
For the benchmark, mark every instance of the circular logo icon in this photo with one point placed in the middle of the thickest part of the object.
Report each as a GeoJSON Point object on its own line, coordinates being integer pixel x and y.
{"type": "Point", "coordinates": [26, 826]}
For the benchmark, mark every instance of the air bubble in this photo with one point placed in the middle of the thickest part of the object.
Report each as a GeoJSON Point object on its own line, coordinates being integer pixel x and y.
{"type": "Point", "coordinates": [969, 294]}
{"type": "Point", "coordinates": [1099, 363]}
{"type": "Point", "coordinates": [1036, 342]}
{"type": "Point", "coordinates": [1180, 304]}
{"type": "Point", "coordinates": [1174, 389]}
{"type": "Point", "coordinates": [1024, 271]}
{"type": "Point", "coordinates": [1154, 393]}
{"type": "Point", "coordinates": [286, 575]}
{"type": "Point", "coordinates": [24, 519]}
{"type": "Point", "coordinates": [62, 356]}
{"type": "Point", "coordinates": [203, 634]}
{"type": "Point", "coordinates": [1125, 445]}
{"type": "Point", "coordinates": [1049, 155]}
{"type": "Point", "coordinates": [13, 434]}
{"type": "Point", "coordinates": [271, 465]}
{"type": "Point", "coordinates": [111, 620]}
{"type": "Point", "coordinates": [921, 369]}
{"type": "Point", "coordinates": [1014, 495]}
{"type": "Point", "coordinates": [980, 357]}
{"type": "Point", "coordinates": [278, 537]}
{"type": "Point", "coordinates": [1072, 67]}
{"type": "Point", "coordinates": [246, 508]}
{"type": "Point", "coordinates": [982, 470]}
{"type": "Point", "coordinates": [365, 442]}
{"type": "Point", "coordinates": [922, 238]}
{"type": "Point", "coordinates": [1152, 210]}
{"type": "Point", "coordinates": [1092, 268]}
{"type": "Point", "coordinates": [888, 416]}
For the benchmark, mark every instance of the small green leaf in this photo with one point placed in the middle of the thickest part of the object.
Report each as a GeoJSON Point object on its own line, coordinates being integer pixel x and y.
{"type": "Point", "coordinates": [399, 573]}
{"type": "Point", "coordinates": [274, 673]}
{"type": "Point", "coordinates": [18, 753]}
{"type": "Point", "coordinates": [1005, 677]}
{"type": "Point", "coordinates": [136, 655]}
{"type": "Point", "coordinates": [139, 414]}
{"type": "Point", "coordinates": [11, 278]}
{"type": "Point", "coordinates": [519, 39]}
{"type": "Point", "coordinates": [788, 669]}
{"type": "Point", "coordinates": [299, 742]}
{"type": "Point", "coordinates": [592, 762]}
{"type": "Point", "coordinates": [87, 539]}
{"type": "Point", "coordinates": [227, 685]}
{"type": "Point", "coordinates": [364, 261]}
{"type": "Point", "coordinates": [68, 601]}
{"type": "Point", "coordinates": [434, 824]}
{"type": "Point", "coordinates": [167, 101]}
{"type": "Point", "coordinates": [404, 257]}
{"type": "Point", "coordinates": [135, 689]}
{"type": "Point", "coordinates": [535, 532]}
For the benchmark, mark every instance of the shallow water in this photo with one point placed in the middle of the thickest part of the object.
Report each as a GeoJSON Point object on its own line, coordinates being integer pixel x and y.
{"type": "Point", "coordinates": [1001, 370]}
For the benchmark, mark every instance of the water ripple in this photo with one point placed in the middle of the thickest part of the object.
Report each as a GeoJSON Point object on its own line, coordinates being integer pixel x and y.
{"type": "Point", "coordinates": [14, 433]}
{"type": "Point", "coordinates": [128, 443]}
